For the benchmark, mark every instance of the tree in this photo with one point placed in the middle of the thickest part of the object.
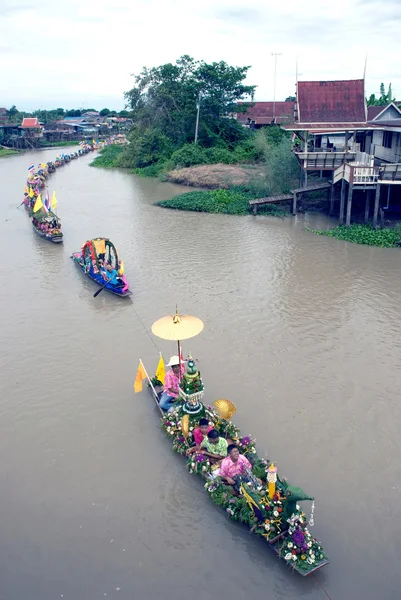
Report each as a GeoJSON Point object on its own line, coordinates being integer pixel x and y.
{"type": "Point", "coordinates": [104, 112]}
{"type": "Point", "coordinates": [165, 99]}
{"type": "Point", "coordinates": [290, 99]}
{"type": "Point", "coordinates": [73, 113]}
{"type": "Point", "coordinates": [384, 98]}
{"type": "Point", "coordinates": [123, 113]}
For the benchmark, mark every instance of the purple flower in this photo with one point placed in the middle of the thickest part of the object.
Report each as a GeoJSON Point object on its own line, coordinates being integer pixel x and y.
{"type": "Point", "coordinates": [200, 458]}
{"type": "Point", "coordinates": [298, 537]}
{"type": "Point", "coordinates": [245, 440]}
{"type": "Point", "coordinates": [167, 423]}
{"type": "Point", "coordinates": [181, 439]}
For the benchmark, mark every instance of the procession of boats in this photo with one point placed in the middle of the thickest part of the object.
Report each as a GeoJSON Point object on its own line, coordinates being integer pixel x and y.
{"type": "Point", "coordinates": [98, 258]}
{"type": "Point", "coordinates": [259, 497]}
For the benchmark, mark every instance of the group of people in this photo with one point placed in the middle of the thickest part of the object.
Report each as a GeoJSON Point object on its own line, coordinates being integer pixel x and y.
{"type": "Point", "coordinates": [48, 227]}
{"type": "Point", "coordinates": [229, 464]}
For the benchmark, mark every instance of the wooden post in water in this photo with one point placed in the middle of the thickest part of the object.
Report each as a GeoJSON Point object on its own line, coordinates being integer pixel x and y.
{"type": "Point", "coordinates": [367, 205]}
{"type": "Point", "coordinates": [349, 205]}
{"type": "Point", "coordinates": [294, 203]}
{"type": "Point", "coordinates": [330, 193]}
{"type": "Point", "coordinates": [377, 202]}
{"type": "Point", "coordinates": [342, 202]}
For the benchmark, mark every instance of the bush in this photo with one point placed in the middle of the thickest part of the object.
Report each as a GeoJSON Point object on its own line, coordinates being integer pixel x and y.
{"type": "Point", "coordinates": [230, 202]}
{"type": "Point", "coordinates": [145, 149]}
{"type": "Point", "coordinates": [189, 155]}
{"type": "Point", "coordinates": [364, 234]}
{"type": "Point", "coordinates": [109, 157]}
{"type": "Point", "coordinates": [220, 155]}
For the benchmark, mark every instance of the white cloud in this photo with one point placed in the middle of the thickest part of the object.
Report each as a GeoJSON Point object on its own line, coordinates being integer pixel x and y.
{"type": "Point", "coordinates": [69, 54]}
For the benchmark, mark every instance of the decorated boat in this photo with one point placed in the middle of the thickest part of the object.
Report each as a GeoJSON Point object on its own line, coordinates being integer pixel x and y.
{"type": "Point", "coordinates": [259, 498]}
{"type": "Point", "coordinates": [99, 261]}
{"type": "Point", "coordinates": [47, 225]}
{"type": "Point", "coordinates": [51, 167]}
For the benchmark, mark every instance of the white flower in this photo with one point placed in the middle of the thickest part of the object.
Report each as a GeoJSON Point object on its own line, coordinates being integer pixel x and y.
{"type": "Point", "coordinates": [192, 465]}
{"type": "Point", "coordinates": [294, 557]}
{"type": "Point", "coordinates": [275, 513]}
{"type": "Point", "coordinates": [309, 544]}
{"type": "Point", "coordinates": [290, 544]}
{"type": "Point", "coordinates": [312, 556]}
{"type": "Point", "coordinates": [267, 527]}
{"type": "Point", "coordinates": [254, 450]}
{"type": "Point", "coordinates": [298, 507]}
{"type": "Point", "coordinates": [309, 560]}
{"type": "Point", "coordinates": [191, 429]}
{"type": "Point", "coordinates": [288, 556]}
{"type": "Point", "coordinates": [301, 520]}
{"type": "Point", "coordinates": [203, 468]}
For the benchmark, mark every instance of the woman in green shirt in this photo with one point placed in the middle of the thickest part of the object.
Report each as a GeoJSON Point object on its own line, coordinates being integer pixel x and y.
{"type": "Point", "coordinates": [214, 446]}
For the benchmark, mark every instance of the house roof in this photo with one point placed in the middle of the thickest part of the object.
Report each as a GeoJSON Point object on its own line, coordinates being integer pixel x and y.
{"type": "Point", "coordinates": [331, 101]}
{"type": "Point", "coordinates": [264, 113]}
{"type": "Point", "coordinates": [30, 123]}
{"type": "Point", "coordinates": [375, 111]}
{"type": "Point", "coordinates": [324, 126]}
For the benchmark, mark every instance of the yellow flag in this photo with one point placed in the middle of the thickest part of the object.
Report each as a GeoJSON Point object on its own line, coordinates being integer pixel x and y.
{"type": "Point", "coordinates": [140, 376]}
{"type": "Point", "coordinates": [161, 371]}
{"type": "Point", "coordinates": [38, 204]}
{"type": "Point", "coordinates": [122, 268]}
{"type": "Point", "coordinates": [54, 200]}
{"type": "Point", "coordinates": [31, 194]}
{"type": "Point", "coordinates": [25, 189]}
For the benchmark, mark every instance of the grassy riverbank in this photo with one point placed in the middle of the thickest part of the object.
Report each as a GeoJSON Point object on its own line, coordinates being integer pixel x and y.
{"type": "Point", "coordinates": [229, 202]}
{"type": "Point", "coordinates": [7, 151]}
{"type": "Point", "coordinates": [364, 234]}
{"type": "Point", "coordinates": [109, 157]}
{"type": "Point", "coordinates": [44, 144]}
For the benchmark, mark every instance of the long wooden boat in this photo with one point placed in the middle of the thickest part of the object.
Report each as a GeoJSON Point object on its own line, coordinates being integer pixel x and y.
{"type": "Point", "coordinates": [94, 255]}
{"type": "Point", "coordinates": [41, 219]}
{"type": "Point", "coordinates": [273, 514]}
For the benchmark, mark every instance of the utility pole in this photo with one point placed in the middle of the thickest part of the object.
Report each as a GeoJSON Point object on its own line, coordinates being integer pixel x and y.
{"type": "Point", "coordinates": [275, 54]}
{"type": "Point", "coordinates": [197, 119]}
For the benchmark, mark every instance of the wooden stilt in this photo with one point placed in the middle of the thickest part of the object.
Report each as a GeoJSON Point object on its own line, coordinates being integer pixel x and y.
{"type": "Point", "coordinates": [376, 208]}
{"type": "Point", "coordinates": [294, 203]}
{"type": "Point", "coordinates": [367, 206]}
{"type": "Point", "coordinates": [349, 205]}
{"type": "Point", "coordinates": [342, 201]}
{"type": "Point", "coordinates": [306, 179]}
{"type": "Point", "coordinates": [331, 195]}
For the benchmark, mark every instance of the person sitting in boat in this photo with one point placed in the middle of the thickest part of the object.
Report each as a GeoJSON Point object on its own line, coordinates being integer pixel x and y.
{"type": "Point", "coordinates": [110, 274]}
{"type": "Point", "coordinates": [234, 466]}
{"type": "Point", "coordinates": [171, 383]}
{"type": "Point", "coordinates": [214, 446]}
{"type": "Point", "coordinates": [199, 434]}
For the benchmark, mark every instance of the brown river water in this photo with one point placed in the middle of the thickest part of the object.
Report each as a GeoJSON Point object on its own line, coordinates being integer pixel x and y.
{"type": "Point", "coordinates": [302, 332]}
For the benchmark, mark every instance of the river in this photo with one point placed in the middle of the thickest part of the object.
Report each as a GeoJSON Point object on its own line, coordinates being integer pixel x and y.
{"type": "Point", "coordinates": [302, 333]}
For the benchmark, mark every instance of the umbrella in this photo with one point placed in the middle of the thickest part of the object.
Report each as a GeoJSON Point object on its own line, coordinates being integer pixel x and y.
{"type": "Point", "coordinates": [177, 327]}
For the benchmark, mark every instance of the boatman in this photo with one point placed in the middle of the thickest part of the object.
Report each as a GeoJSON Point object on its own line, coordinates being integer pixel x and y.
{"type": "Point", "coordinates": [171, 383]}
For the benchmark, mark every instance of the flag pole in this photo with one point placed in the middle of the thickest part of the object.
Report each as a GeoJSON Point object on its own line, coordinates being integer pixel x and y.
{"type": "Point", "coordinates": [155, 396]}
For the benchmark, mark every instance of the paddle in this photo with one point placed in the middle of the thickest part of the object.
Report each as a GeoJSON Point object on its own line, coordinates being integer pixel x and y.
{"type": "Point", "coordinates": [102, 288]}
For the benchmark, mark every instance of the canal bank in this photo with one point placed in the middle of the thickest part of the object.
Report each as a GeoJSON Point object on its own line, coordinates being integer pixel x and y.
{"type": "Point", "coordinates": [300, 333]}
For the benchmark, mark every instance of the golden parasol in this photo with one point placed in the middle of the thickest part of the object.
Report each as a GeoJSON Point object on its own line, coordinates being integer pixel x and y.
{"type": "Point", "coordinates": [177, 327]}
{"type": "Point", "coordinates": [225, 408]}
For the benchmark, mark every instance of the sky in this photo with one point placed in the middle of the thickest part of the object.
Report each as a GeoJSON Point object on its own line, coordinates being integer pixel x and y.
{"type": "Point", "coordinates": [68, 54]}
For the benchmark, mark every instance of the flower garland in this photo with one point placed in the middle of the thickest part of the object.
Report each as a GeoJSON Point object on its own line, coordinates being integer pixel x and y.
{"type": "Point", "coordinates": [246, 445]}
{"type": "Point", "coordinates": [198, 463]}
{"type": "Point", "coordinates": [300, 547]}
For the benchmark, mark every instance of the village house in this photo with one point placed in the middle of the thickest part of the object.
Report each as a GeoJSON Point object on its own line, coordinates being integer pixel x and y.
{"type": "Point", "coordinates": [262, 114]}
{"type": "Point", "coordinates": [335, 135]}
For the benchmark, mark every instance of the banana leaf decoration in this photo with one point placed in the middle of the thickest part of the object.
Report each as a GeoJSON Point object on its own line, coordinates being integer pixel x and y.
{"type": "Point", "coordinates": [252, 502]}
{"type": "Point", "coordinates": [225, 408]}
{"type": "Point", "coordinates": [185, 426]}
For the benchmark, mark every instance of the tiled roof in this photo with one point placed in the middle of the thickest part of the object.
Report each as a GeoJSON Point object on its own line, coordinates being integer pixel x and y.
{"type": "Point", "coordinates": [262, 112]}
{"type": "Point", "coordinates": [373, 111]}
{"type": "Point", "coordinates": [331, 101]}
{"type": "Point", "coordinates": [30, 123]}
{"type": "Point", "coordinates": [324, 126]}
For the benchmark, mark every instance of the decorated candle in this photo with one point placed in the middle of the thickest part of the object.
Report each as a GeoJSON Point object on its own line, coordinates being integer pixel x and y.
{"type": "Point", "coordinates": [272, 478]}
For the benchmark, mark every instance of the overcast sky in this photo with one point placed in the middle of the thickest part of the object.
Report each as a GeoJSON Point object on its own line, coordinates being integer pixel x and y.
{"type": "Point", "coordinates": [70, 55]}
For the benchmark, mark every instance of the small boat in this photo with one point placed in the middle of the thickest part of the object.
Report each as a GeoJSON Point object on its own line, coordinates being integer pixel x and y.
{"type": "Point", "coordinates": [51, 167]}
{"type": "Point", "coordinates": [97, 256]}
{"type": "Point", "coordinates": [66, 158]}
{"type": "Point", "coordinates": [260, 499]}
{"type": "Point", "coordinates": [57, 163]}
{"type": "Point", "coordinates": [46, 224]}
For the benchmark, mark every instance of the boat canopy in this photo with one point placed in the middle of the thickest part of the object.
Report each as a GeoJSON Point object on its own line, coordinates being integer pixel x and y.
{"type": "Point", "coordinates": [101, 248]}
{"type": "Point", "coordinates": [43, 215]}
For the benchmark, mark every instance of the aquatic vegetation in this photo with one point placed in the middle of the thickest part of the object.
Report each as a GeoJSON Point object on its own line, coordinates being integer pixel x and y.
{"type": "Point", "coordinates": [108, 157]}
{"type": "Point", "coordinates": [230, 202]}
{"type": "Point", "coordinates": [364, 234]}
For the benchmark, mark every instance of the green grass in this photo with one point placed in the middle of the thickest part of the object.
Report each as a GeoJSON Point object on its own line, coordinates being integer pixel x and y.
{"type": "Point", "coordinates": [364, 234]}
{"type": "Point", "coordinates": [7, 152]}
{"type": "Point", "coordinates": [44, 144]}
{"type": "Point", "coordinates": [229, 202]}
{"type": "Point", "coordinates": [108, 157]}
